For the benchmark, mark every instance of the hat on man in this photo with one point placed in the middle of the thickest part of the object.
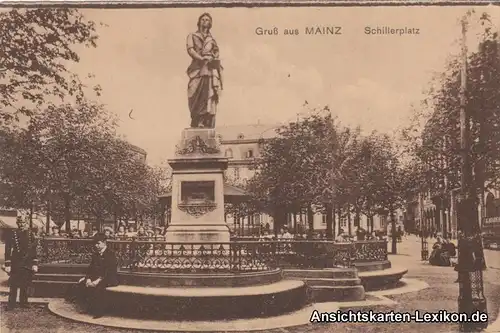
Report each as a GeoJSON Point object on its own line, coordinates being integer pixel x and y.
{"type": "Point", "coordinates": [99, 237]}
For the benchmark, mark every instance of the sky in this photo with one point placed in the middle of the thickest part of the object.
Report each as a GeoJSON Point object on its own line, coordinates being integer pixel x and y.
{"type": "Point", "coordinates": [367, 80]}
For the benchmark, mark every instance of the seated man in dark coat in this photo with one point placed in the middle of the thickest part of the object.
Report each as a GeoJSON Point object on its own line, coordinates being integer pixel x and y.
{"type": "Point", "coordinates": [101, 273]}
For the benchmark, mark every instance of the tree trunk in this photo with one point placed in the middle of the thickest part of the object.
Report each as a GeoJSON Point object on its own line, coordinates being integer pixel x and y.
{"type": "Point", "coordinates": [67, 213]}
{"type": "Point", "coordinates": [444, 229]}
{"type": "Point", "coordinates": [277, 219]}
{"type": "Point", "coordinates": [115, 218]}
{"type": "Point", "coordinates": [310, 220]}
{"type": "Point", "coordinates": [334, 220]}
{"type": "Point", "coordinates": [357, 219]}
{"type": "Point", "coordinates": [339, 215]}
{"type": "Point", "coordinates": [349, 219]}
{"type": "Point", "coordinates": [295, 222]}
{"type": "Point", "coordinates": [329, 221]}
{"type": "Point", "coordinates": [31, 216]}
{"type": "Point", "coordinates": [47, 219]}
{"type": "Point", "coordinates": [393, 231]}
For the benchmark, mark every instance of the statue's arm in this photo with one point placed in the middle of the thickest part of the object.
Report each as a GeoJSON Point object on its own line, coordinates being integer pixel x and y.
{"type": "Point", "coordinates": [216, 51]}
{"type": "Point", "coordinates": [190, 49]}
{"type": "Point", "coordinates": [195, 55]}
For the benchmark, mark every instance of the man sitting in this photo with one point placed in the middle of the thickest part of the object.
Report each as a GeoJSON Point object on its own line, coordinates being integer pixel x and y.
{"type": "Point", "coordinates": [101, 273]}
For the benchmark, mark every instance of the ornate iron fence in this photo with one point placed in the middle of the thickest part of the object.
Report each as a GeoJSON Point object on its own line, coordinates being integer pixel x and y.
{"type": "Point", "coordinates": [235, 256]}
{"type": "Point", "coordinates": [367, 251]}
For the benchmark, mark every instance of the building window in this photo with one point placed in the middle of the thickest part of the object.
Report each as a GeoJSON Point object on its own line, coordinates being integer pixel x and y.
{"type": "Point", "coordinates": [343, 222]}
{"type": "Point", "coordinates": [250, 153]}
{"type": "Point", "coordinates": [490, 205]}
{"type": "Point", "coordinates": [257, 219]}
{"type": "Point", "coordinates": [323, 218]}
{"type": "Point", "coordinates": [241, 136]}
{"type": "Point", "coordinates": [229, 153]}
{"type": "Point", "coordinates": [383, 221]}
{"type": "Point", "coordinates": [236, 173]}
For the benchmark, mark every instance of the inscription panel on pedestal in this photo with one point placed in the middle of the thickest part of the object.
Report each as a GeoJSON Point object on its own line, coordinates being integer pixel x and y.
{"type": "Point", "coordinates": [197, 197]}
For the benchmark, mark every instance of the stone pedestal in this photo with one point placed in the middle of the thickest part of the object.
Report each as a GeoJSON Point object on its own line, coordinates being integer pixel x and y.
{"type": "Point", "coordinates": [198, 189]}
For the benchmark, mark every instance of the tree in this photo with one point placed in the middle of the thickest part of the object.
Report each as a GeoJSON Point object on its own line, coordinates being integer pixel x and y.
{"type": "Point", "coordinates": [157, 182]}
{"type": "Point", "coordinates": [113, 186]}
{"type": "Point", "coordinates": [437, 150]}
{"type": "Point", "coordinates": [431, 144]}
{"type": "Point", "coordinates": [37, 48]}
{"type": "Point", "coordinates": [286, 178]}
{"type": "Point", "coordinates": [51, 154]}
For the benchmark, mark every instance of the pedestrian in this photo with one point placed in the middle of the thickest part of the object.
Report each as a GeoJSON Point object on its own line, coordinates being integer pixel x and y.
{"type": "Point", "coordinates": [20, 263]}
{"type": "Point", "coordinates": [108, 232]}
{"type": "Point", "coordinates": [101, 273]}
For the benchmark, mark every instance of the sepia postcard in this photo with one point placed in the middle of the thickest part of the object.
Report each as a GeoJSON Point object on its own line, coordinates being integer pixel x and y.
{"type": "Point", "coordinates": [243, 166]}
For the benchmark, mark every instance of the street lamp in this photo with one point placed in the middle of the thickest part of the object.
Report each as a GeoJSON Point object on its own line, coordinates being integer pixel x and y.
{"type": "Point", "coordinates": [471, 262]}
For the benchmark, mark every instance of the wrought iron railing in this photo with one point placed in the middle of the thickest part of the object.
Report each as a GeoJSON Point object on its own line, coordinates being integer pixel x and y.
{"type": "Point", "coordinates": [368, 251]}
{"type": "Point", "coordinates": [235, 256]}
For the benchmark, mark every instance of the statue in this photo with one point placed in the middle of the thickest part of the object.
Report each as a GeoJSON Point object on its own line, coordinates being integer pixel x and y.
{"type": "Point", "coordinates": [205, 79]}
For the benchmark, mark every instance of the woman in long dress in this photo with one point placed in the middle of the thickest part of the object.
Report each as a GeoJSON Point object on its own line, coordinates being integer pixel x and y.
{"type": "Point", "coordinates": [205, 79]}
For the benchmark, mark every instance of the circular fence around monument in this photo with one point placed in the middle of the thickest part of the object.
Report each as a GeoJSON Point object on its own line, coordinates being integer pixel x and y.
{"type": "Point", "coordinates": [234, 256]}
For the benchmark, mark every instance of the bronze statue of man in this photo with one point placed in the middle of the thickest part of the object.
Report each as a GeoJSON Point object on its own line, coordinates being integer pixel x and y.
{"type": "Point", "coordinates": [205, 75]}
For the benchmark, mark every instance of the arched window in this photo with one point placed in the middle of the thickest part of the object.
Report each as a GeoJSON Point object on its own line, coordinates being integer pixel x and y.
{"type": "Point", "coordinates": [250, 153]}
{"type": "Point", "coordinates": [229, 153]}
{"type": "Point", "coordinates": [490, 205]}
{"type": "Point", "coordinates": [241, 136]}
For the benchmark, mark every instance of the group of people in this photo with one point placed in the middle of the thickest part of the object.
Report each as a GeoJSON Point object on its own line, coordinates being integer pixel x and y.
{"type": "Point", "coordinates": [122, 233]}
{"type": "Point", "coordinates": [21, 264]}
{"type": "Point", "coordinates": [443, 252]}
{"type": "Point", "coordinates": [342, 237]}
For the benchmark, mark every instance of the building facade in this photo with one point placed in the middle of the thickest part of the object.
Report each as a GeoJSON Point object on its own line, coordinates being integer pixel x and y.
{"type": "Point", "coordinates": [437, 213]}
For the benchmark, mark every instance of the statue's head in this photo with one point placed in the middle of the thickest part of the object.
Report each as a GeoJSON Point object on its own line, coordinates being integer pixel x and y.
{"type": "Point", "coordinates": [205, 21]}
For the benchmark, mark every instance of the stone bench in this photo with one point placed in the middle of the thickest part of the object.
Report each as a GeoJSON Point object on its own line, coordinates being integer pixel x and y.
{"type": "Point", "coordinates": [206, 303]}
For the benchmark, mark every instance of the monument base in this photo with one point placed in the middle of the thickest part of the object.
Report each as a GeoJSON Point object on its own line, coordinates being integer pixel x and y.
{"type": "Point", "coordinates": [183, 233]}
{"type": "Point", "coordinates": [198, 189]}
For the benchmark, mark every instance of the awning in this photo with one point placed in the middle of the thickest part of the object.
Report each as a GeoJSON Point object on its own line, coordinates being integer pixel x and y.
{"type": "Point", "coordinates": [8, 222]}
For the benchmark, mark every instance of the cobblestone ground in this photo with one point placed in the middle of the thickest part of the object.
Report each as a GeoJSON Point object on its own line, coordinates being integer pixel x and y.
{"type": "Point", "coordinates": [442, 294]}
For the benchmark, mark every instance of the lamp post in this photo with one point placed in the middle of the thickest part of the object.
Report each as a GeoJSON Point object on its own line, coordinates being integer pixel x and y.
{"type": "Point", "coordinates": [424, 251]}
{"type": "Point", "coordinates": [470, 251]}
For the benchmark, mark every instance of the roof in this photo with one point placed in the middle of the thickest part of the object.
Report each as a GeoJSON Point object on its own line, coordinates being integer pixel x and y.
{"type": "Point", "coordinates": [136, 149]}
{"type": "Point", "coordinates": [247, 132]}
{"type": "Point", "coordinates": [233, 191]}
